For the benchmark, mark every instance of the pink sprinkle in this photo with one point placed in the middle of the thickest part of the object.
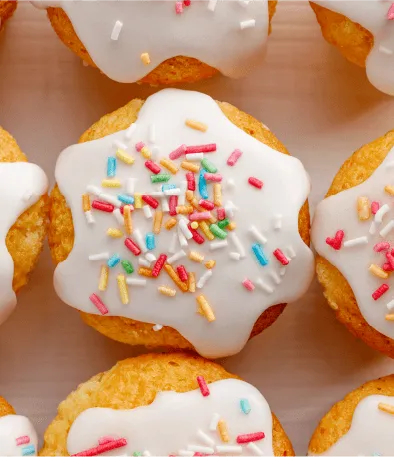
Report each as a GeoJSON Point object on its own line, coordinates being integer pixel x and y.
{"type": "Point", "coordinates": [207, 204]}
{"type": "Point", "coordinates": [132, 246]}
{"type": "Point", "coordinates": [375, 207]}
{"type": "Point", "coordinates": [182, 273]}
{"type": "Point", "coordinates": [380, 291]}
{"type": "Point", "coordinates": [390, 14]}
{"type": "Point", "coordinates": [98, 304]}
{"type": "Point", "coordinates": [203, 386]}
{"type": "Point", "coordinates": [221, 213]}
{"type": "Point", "coordinates": [281, 257]}
{"type": "Point", "coordinates": [387, 267]}
{"type": "Point", "coordinates": [200, 216]}
{"type": "Point", "coordinates": [106, 439]}
{"type": "Point", "coordinates": [103, 206]}
{"type": "Point", "coordinates": [390, 259]}
{"type": "Point", "coordinates": [214, 177]}
{"type": "Point", "coordinates": [233, 159]}
{"type": "Point", "coordinates": [179, 7]}
{"type": "Point", "coordinates": [336, 242]}
{"type": "Point", "coordinates": [381, 246]}
{"type": "Point", "coordinates": [22, 440]}
{"type": "Point", "coordinates": [172, 204]}
{"type": "Point", "coordinates": [201, 148]}
{"type": "Point", "coordinates": [187, 2]}
{"type": "Point", "coordinates": [178, 152]}
{"type": "Point", "coordinates": [150, 201]}
{"type": "Point", "coordinates": [139, 146]}
{"type": "Point", "coordinates": [247, 283]}
{"type": "Point", "coordinates": [199, 239]}
{"type": "Point", "coordinates": [191, 181]}
{"type": "Point", "coordinates": [159, 265]}
{"type": "Point", "coordinates": [250, 437]}
{"type": "Point", "coordinates": [110, 446]}
{"type": "Point", "coordinates": [153, 167]}
{"type": "Point", "coordinates": [255, 182]}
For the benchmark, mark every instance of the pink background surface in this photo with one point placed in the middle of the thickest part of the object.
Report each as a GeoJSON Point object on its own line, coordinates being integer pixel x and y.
{"type": "Point", "coordinates": [318, 104]}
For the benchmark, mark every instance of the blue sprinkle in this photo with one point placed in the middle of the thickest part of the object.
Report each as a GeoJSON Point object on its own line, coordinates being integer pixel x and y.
{"type": "Point", "coordinates": [126, 199]}
{"type": "Point", "coordinates": [245, 405]}
{"type": "Point", "coordinates": [168, 187]}
{"type": "Point", "coordinates": [111, 167]}
{"type": "Point", "coordinates": [150, 241]}
{"type": "Point", "coordinates": [113, 260]}
{"type": "Point", "coordinates": [258, 252]}
{"type": "Point", "coordinates": [202, 185]}
{"type": "Point", "coordinates": [29, 450]}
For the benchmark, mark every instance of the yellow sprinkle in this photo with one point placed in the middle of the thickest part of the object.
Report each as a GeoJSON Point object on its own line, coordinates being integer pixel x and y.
{"type": "Point", "coordinates": [145, 272]}
{"type": "Point", "coordinates": [377, 271]}
{"type": "Point", "coordinates": [333, 305]}
{"type": "Point", "coordinates": [124, 157]}
{"type": "Point", "coordinates": [145, 153]}
{"type": "Point", "coordinates": [128, 222]}
{"type": "Point", "coordinates": [223, 431]}
{"type": "Point", "coordinates": [205, 229]}
{"type": "Point", "coordinates": [389, 317]}
{"type": "Point", "coordinates": [114, 233]}
{"type": "Point", "coordinates": [138, 201]}
{"type": "Point", "coordinates": [196, 256]}
{"type": "Point", "coordinates": [196, 125]}
{"type": "Point", "coordinates": [123, 290]}
{"type": "Point", "coordinates": [167, 291]}
{"type": "Point", "coordinates": [103, 282]}
{"type": "Point", "coordinates": [192, 282]}
{"type": "Point", "coordinates": [188, 209]}
{"type": "Point", "coordinates": [189, 195]}
{"type": "Point", "coordinates": [194, 225]}
{"type": "Point", "coordinates": [86, 203]}
{"type": "Point", "coordinates": [190, 166]}
{"type": "Point", "coordinates": [363, 208]}
{"type": "Point", "coordinates": [174, 276]}
{"type": "Point", "coordinates": [170, 223]}
{"type": "Point", "coordinates": [170, 165]}
{"type": "Point", "coordinates": [145, 58]}
{"type": "Point", "coordinates": [157, 221]}
{"type": "Point", "coordinates": [111, 183]}
{"type": "Point", "coordinates": [212, 220]}
{"type": "Point", "coordinates": [194, 203]}
{"type": "Point", "coordinates": [205, 308]}
{"type": "Point", "coordinates": [231, 226]}
{"type": "Point", "coordinates": [389, 190]}
{"type": "Point", "coordinates": [210, 264]}
{"type": "Point", "coordinates": [217, 194]}
{"type": "Point", "coordinates": [386, 408]}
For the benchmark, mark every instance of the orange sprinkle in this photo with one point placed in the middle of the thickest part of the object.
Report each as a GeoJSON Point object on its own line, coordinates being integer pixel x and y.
{"type": "Point", "coordinates": [231, 226]}
{"type": "Point", "coordinates": [196, 125]}
{"type": "Point", "coordinates": [86, 203]}
{"type": "Point", "coordinates": [174, 276]}
{"type": "Point", "coordinates": [389, 190]}
{"type": "Point", "coordinates": [170, 223]}
{"type": "Point", "coordinates": [157, 221]}
{"type": "Point", "coordinates": [196, 256]}
{"type": "Point", "coordinates": [128, 222]}
{"type": "Point", "coordinates": [205, 229]}
{"type": "Point", "coordinates": [192, 282]}
{"type": "Point", "coordinates": [386, 408]}
{"type": "Point", "coordinates": [170, 165]}
{"type": "Point", "coordinates": [205, 308]}
{"type": "Point", "coordinates": [223, 431]}
{"type": "Point", "coordinates": [145, 272]}
{"type": "Point", "coordinates": [190, 166]}
{"type": "Point", "coordinates": [210, 264]}
{"type": "Point", "coordinates": [184, 209]}
{"type": "Point", "coordinates": [389, 317]}
{"type": "Point", "coordinates": [363, 208]}
{"type": "Point", "coordinates": [189, 195]}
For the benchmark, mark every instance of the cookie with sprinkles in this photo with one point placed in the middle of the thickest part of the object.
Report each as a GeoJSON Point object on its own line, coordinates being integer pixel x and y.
{"type": "Point", "coordinates": [360, 424]}
{"type": "Point", "coordinates": [7, 9]}
{"type": "Point", "coordinates": [194, 407]}
{"type": "Point", "coordinates": [353, 235]}
{"type": "Point", "coordinates": [166, 41]}
{"type": "Point", "coordinates": [208, 250]}
{"type": "Point", "coordinates": [17, 434]}
{"type": "Point", "coordinates": [364, 34]}
{"type": "Point", "coordinates": [23, 220]}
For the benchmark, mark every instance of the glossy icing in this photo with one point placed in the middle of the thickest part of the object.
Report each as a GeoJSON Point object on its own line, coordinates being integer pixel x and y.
{"type": "Point", "coordinates": [23, 184]}
{"type": "Point", "coordinates": [273, 211]}
{"type": "Point", "coordinates": [339, 212]}
{"type": "Point", "coordinates": [372, 15]}
{"type": "Point", "coordinates": [17, 436]}
{"type": "Point", "coordinates": [370, 432]}
{"type": "Point", "coordinates": [177, 422]}
{"type": "Point", "coordinates": [209, 31]}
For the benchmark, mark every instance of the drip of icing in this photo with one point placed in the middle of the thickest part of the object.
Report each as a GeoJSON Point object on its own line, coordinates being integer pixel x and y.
{"type": "Point", "coordinates": [213, 37]}
{"type": "Point", "coordinates": [22, 184]}
{"type": "Point", "coordinates": [339, 212]}
{"type": "Point", "coordinates": [173, 421]}
{"type": "Point", "coordinates": [286, 187]}
{"type": "Point", "coordinates": [372, 15]}
{"type": "Point", "coordinates": [13, 427]}
{"type": "Point", "coordinates": [371, 431]}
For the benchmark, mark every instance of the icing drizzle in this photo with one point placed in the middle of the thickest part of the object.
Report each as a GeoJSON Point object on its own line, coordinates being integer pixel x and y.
{"type": "Point", "coordinates": [127, 40]}
{"type": "Point", "coordinates": [262, 261]}
{"type": "Point", "coordinates": [17, 436]}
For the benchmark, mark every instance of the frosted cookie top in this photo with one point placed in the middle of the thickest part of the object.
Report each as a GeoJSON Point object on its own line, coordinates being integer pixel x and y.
{"type": "Point", "coordinates": [371, 429]}
{"type": "Point", "coordinates": [227, 417]}
{"type": "Point", "coordinates": [353, 230]}
{"type": "Point", "coordinates": [129, 39]}
{"type": "Point", "coordinates": [188, 221]}
{"type": "Point", "coordinates": [17, 436]}
{"type": "Point", "coordinates": [22, 184]}
{"type": "Point", "coordinates": [377, 17]}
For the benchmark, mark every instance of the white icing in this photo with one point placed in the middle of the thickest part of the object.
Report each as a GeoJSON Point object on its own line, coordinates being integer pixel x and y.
{"type": "Point", "coordinates": [371, 431]}
{"type": "Point", "coordinates": [372, 15]}
{"type": "Point", "coordinates": [174, 422]}
{"type": "Point", "coordinates": [213, 37]}
{"type": "Point", "coordinates": [13, 427]}
{"type": "Point", "coordinates": [286, 187]}
{"type": "Point", "coordinates": [21, 184]}
{"type": "Point", "coordinates": [339, 212]}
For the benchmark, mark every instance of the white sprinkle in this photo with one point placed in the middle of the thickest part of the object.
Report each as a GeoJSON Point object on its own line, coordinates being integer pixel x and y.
{"type": "Point", "coordinates": [84, 63]}
{"type": "Point", "coordinates": [230, 208]}
{"type": "Point", "coordinates": [110, 199]}
{"type": "Point", "coordinates": [238, 244]}
{"type": "Point", "coordinates": [204, 278]}
{"type": "Point", "coordinates": [146, 453]}
{"type": "Point", "coordinates": [182, 239]}
{"type": "Point", "coordinates": [89, 217]}
{"type": "Point", "coordinates": [101, 256]}
{"type": "Point", "coordinates": [119, 145]}
{"type": "Point", "coordinates": [381, 212]}
{"type": "Point", "coordinates": [185, 229]}
{"type": "Point", "coordinates": [182, 196]}
{"type": "Point", "coordinates": [291, 252]}
{"type": "Point", "coordinates": [247, 24]}
{"type": "Point", "coordinates": [147, 211]}
{"type": "Point", "coordinates": [235, 255]}
{"type": "Point", "coordinates": [143, 262]}
{"type": "Point", "coordinates": [390, 305]}
{"type": "Point", "coordinates": [387, 228]}
{"type": "Point", "coordinates": [223, 449]}
{"type": "Point", "coordinates": [164, 205]}
{"type": "Point", "coordinates": [218, 245]}
{"type": "Point", "coordinates": [173, 244]}
{"type": "Point", "coordinates": [195, 156]}
{"type": "Point", "coordinates": [184, 452]}
{"type": "Point", "coordinates": [244, 3]}
{"type": "Point", "coordinates": [130, 185]}
{"type": "Point", "coordinates": [118, 216]}
{"type": "Point", "coordinates": [27, 196]}
{"type": "Point", "coordinates": [116, 30]}
{"type": "Point", "coordinates": [390, 164]}
{"type": "Point", "coordinates": [278, 221]}
{"type": "Point", "coordinates": [275, 277]}
{"type": "Point", "coordinates": [136, 282]}
{"type": "Point", "coordinates": [255, 449]}
{"type": "Point", "coordinates": [157, 327]}
{"type": "Point", "coordinates": [372, 228]}
{"type": "Point", "coordinates": [230, 184]}
{"type": "Point", "coordinates": [257, 234]}
{"type": "Point", "coordinates": [130, 131]}
{"type": "Point", "coordinates": [178, 255]}
{"type": "Point", "coordinates": [282, 271]}
{"type": "Point", "coordinates": [385, 50]}
{"type": "Point", "coordinates": [156, 193]}
{"type": "Point", "coordinates": [212, 5]}
{"type": "Point", "coordinates": [213, 425]}
{"type": "Point", "coordinates": [264, 286]}
{"type": "Point", "coordinates": [140, 241]}
{"type": "Point", "coordinates": [356, 241]}
{"type": "Point", "coordinates": [170, 192]}
{"type": "Point", "coordinates": [152, 133]}
{"type": "Point", "coordinates": [203, 449]}
{"type": "Point", "coordinates": [150, 257]}
{"type": "Point", "coordinates": [93, 190]}
{"type": "Point", "coordinates": [205, 438]}
{"type": "Point", "coordinates": [155, 152]}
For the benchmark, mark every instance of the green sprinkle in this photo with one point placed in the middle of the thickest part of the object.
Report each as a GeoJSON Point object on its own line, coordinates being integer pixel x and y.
{"type": "Point", "coordinates": [137, 453]}
{"type": "Point", "coordinates": [209, 166]}
{"type": "Point", "coordinates": [224, 223]}
{"type": "Point", "coordinates": [127, 266]}
{"type": "Point", "coordinates": [217, 231]}
{"type": "Point", "coordinates": [245, 406]}
{"type": "Point", "coordinates": [160, 178]}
